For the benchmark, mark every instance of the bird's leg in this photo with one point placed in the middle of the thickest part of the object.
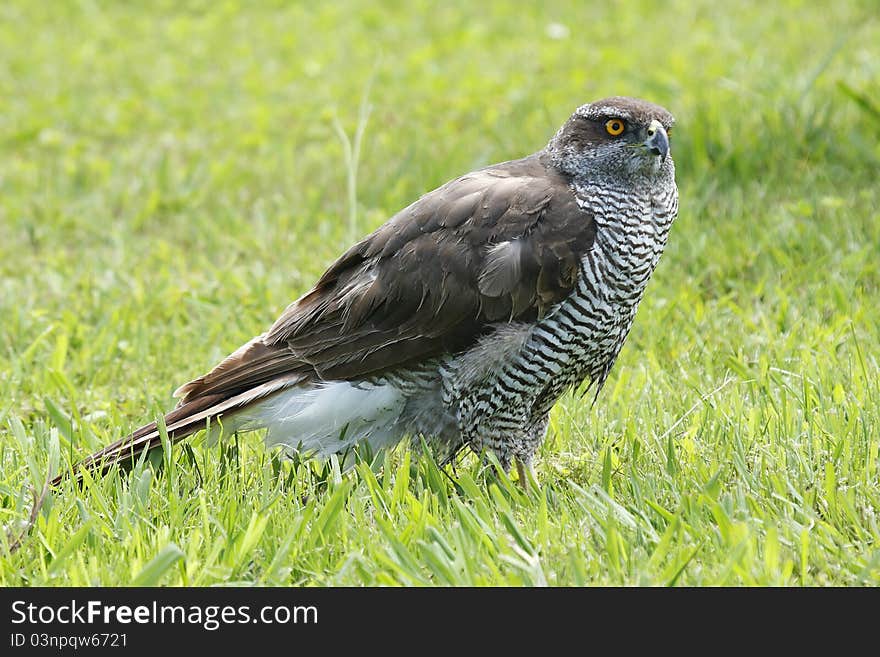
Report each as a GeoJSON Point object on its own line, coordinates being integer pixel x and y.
{"type": "Point", "coordinates": [525, 455]}
{"type": "Point", "coordinates": [521, 471]}
{"type": "Point", "coordinates": [528, 478]}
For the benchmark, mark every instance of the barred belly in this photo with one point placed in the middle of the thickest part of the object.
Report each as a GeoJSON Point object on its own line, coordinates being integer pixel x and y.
{"type": "Point", "coordinates": [578, 340]}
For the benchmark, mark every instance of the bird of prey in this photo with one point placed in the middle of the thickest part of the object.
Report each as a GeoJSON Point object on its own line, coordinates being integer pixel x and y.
{"type": "Point", "coordinates": [463, 318]}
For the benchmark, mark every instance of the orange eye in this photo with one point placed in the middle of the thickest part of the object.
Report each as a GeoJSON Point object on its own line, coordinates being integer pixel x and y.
{"type": "Point", "coordinates": [614, 127]}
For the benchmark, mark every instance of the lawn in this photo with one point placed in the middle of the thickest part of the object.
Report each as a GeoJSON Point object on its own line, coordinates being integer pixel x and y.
{"type": "Point", "coordinates": [172, 175]}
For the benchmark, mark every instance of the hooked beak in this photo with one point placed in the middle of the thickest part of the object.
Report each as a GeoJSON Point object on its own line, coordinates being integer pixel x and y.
{"type": "Point", "coordinates": [657, 141]}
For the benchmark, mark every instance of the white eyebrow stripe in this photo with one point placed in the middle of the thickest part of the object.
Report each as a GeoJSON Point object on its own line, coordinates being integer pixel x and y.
{"type": "Point", "coordinates": [608, 113]}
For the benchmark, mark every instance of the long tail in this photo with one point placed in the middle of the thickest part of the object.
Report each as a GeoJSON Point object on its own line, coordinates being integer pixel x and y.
{"type": "Point", "coordinates": [185, 420]}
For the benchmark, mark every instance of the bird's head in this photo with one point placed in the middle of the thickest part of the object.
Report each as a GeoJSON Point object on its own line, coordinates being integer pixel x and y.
{"type": "Point", "coordinates": [615, 138]}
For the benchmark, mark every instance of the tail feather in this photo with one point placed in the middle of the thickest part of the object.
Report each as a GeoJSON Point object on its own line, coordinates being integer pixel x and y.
{"type": "Point", "coordinates": [185, 420]}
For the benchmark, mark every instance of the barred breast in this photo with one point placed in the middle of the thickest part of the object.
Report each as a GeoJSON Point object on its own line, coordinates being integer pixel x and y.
{"type": "Point", "coordinates": [580, 338]}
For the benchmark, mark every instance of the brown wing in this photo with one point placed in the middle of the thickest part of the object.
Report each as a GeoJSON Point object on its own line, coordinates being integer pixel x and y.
{"type": "Point", "coordinates": [499, 244]}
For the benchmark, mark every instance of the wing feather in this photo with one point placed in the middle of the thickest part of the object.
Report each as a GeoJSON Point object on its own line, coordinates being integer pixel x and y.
{"type": "Point", "coordinates": [500, 244]}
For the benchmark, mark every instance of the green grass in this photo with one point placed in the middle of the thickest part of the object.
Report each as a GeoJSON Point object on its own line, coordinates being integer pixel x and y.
{"type": "Point", "coordinates": [170, 178]}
